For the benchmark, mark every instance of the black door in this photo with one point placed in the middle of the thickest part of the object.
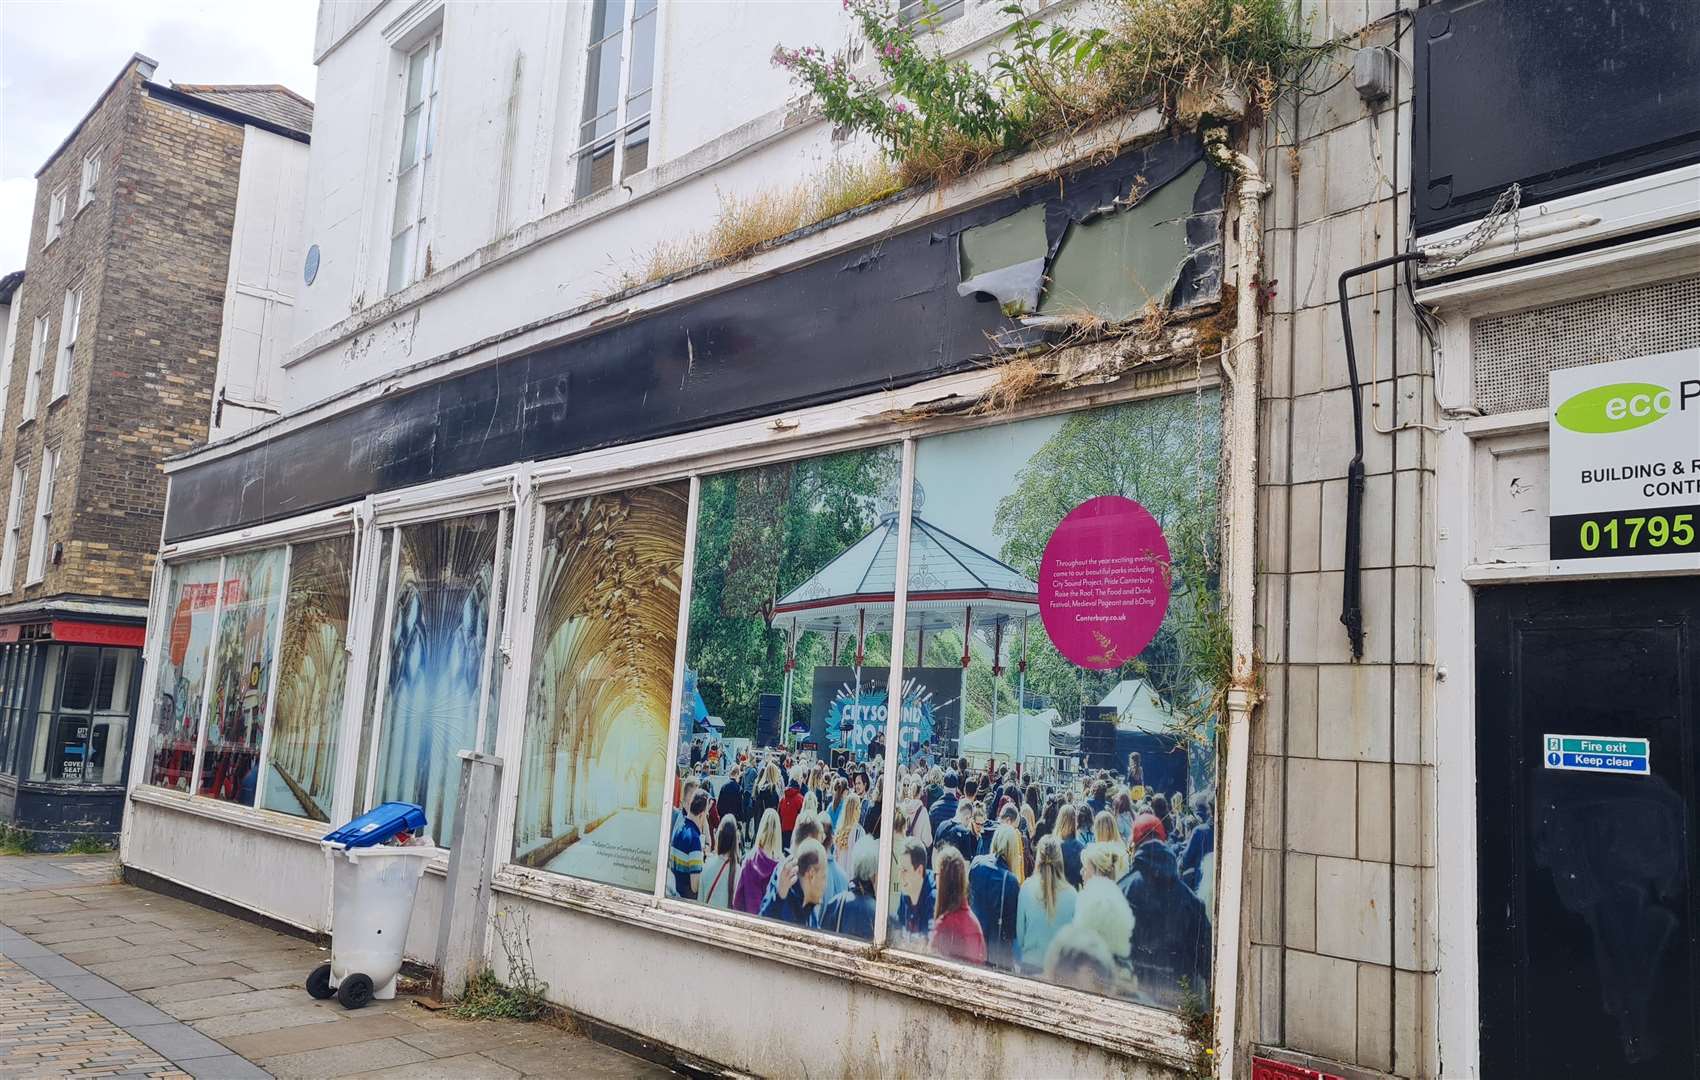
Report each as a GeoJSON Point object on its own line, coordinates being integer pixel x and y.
{"type": "Point", "coordinates": [1587, 919]}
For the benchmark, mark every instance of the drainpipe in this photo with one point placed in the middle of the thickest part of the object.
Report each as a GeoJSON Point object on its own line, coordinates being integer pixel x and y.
{"type": "Point", "coordinates": [1241, 364]}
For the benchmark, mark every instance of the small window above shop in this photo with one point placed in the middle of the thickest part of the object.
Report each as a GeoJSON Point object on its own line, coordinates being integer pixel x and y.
{"type": "Point", "coordinates": [925, 15]}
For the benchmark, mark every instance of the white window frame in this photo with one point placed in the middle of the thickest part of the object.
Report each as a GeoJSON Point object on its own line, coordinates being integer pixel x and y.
{"type": "Point", "coordinates": [14, 528]}
{"type": "Point", "coordinates": [924, 16]}
{"type": "Point", "coordinates": [417, 217]}
{"type": "Point", "coordinates": [44, 493]}
{"type": "Point", "coordinates": [90, 178]}
{"type": "Point", "coordinates": [70, 322]}
{"type": "Point", "coordinates": [1123, 1026]}
{"type": "Point", "coordinates": [523, 488]}
{"type": "Point", "coordinates": [38, 356]}
{"type": "Point", "coordinates": [624, 122]}
{"type": "Point", "coordinates": [13, 314]}
{"type": "Point", "coordinates": [56, 207]}
{"type": "Point", "coordinates": [415, 512]}
{"type": "Point", "coordinates": [320, 525]}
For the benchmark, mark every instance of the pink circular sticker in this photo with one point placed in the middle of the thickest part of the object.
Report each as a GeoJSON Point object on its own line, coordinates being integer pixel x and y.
{"type": "Point", "coordinates": [1103, 582]}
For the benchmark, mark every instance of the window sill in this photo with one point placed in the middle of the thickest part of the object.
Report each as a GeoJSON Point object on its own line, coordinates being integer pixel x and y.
{"type": "Point", "coordinates": [1139, 1031]}
{"type": "Point", "coordinates": [51, 240]}
{"type": "Point", "coordinates": [272, 822]}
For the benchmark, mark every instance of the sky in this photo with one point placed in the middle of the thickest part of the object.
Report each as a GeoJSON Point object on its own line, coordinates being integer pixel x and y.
{"type": "Point", "coordinates": [57, 57]}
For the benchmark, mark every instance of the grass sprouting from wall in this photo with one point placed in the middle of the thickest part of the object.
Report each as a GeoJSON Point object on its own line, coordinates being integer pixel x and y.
{"type": "Point", "coordinates": [743, 223]}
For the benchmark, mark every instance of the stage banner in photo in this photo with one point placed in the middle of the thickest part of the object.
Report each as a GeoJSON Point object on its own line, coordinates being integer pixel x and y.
{"type": "Point", "coordinates": [843, 720]}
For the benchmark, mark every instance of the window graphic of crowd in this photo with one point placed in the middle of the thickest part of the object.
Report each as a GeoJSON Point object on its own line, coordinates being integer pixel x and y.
{"type": "Point", "coordinates": [1092, 881]}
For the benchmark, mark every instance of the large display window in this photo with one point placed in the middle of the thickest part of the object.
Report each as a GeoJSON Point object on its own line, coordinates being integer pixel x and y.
{"type": "Point", "coordinates": [1014, 624]}
{"type": "Point", "coordinates": [312, 667]}
{"type": "Point", "coordinates": [435, 667]}
{"type": "Point", "coordinates": [248, 672]}
{"type": "Point", "coordinates": [244, 655]}
{"type": "Point", "coordinates": [593, 763]}
{"type": "Point", "coordinates": [785, 680]}
{"type": "Point", "coordinates": [1066, 567]}
{"type": "Point", "coordinates": [182, 650]}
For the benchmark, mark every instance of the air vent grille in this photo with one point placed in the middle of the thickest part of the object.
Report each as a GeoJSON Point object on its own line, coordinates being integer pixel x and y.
{"type": "Point", "coordinates": [1513, 353]}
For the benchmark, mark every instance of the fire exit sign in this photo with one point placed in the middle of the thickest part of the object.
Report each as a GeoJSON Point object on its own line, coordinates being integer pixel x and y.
{"type": "Point", "coordinates": [1597, 753]}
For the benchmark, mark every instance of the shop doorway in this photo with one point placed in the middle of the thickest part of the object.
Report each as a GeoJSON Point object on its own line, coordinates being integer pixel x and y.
{"type": "Point", "coordinates": [1587, 774]}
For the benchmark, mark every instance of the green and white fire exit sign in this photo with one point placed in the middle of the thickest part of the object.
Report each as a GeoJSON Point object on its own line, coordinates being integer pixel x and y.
{"type": "Point", "coordinates": [1597, 753]}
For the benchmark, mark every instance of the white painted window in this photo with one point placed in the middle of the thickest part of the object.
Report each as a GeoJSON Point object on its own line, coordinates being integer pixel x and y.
{"type": "Point", "coordinates": [38, 353]}
{"type": "Point", "coordinates": [90, 180]}
{"type": "Point", "coordinates": [924, 15]}
{"type": "Point", "coordinates": [13, 311]}
{"type": "Point", "coordinates": [43, 516]}
{"type": "Point", "coordinates": [55, 215]}
{"type": "Point", "coordinates": [619, 76]}
{"type": "Point", "coordinates": [416, 174]}
{"type": "Point", "coordinates": [14, 525]}
{"type": "Point", "coordinates": [68, 325]}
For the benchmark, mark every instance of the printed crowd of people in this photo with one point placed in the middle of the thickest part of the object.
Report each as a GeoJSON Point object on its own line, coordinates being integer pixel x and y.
{"type": "Point", "coordinates": [1093, 881]}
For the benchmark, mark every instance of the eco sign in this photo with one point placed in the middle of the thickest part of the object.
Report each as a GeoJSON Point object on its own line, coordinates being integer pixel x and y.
{"type": "Point", "coordinates": [1625, 446]}
{"type": "Point", "coordinates": [1596, 753]}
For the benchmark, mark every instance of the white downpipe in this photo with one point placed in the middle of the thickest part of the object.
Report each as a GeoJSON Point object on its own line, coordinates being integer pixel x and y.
{"type": "Point", "coordinates": [1241, 365]}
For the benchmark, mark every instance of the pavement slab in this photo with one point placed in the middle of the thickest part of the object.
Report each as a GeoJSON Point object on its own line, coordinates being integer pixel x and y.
{"type": "Point", "coordinates": [347, 1060]}
{"type": "Point", "coordinates": [142, 985]}
{"type": "Point", "coordinates": [51, 1033]}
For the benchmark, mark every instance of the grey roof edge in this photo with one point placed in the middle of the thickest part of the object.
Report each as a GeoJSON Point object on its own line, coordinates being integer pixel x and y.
{"type": "Point", "coordinates": [217, 111]}
{"type": "Point", "coordinates": [9, 286]}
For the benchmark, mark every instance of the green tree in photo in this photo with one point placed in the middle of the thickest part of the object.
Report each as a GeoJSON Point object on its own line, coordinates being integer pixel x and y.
{"type": "Point", "coordinates": [761, 533]}
{"type": "Point", "coordinates": [1163, 454]}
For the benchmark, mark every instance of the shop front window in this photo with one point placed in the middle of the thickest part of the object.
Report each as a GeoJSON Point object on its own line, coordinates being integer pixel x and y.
{"type": "Point", "coordinates": [84, 710]}
{"type": "Point", "coordinates": [436, 666]}
{"type": "Point", "coordinates": [593, 767]}
{"type": "Point", "coordinates": [191, 608]}
{"type": "Point", "coordinates": [245, 652]}
{"type": "Point", "coordinates": [784, 692]}
{"type": "Point", "coordinates": [14, 671]}
{"type": "Point", "coordinates": [312, 667]}
{"type": "Point", "coordinates": [1059, 823]}
{"type": "Point", "coordinates": [250, 670]}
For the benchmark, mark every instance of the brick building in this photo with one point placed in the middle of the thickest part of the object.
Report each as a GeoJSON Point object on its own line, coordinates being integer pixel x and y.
{"type": "Point", "coordinates": [111, 364]}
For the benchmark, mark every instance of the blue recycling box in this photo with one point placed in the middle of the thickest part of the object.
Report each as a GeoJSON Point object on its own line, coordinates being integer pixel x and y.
{"type": "Point", "coordinates": [379, 824]}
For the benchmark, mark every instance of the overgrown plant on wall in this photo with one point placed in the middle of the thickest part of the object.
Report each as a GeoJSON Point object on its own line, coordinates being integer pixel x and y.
{"type": "Point", "coordinates": [936, 117]}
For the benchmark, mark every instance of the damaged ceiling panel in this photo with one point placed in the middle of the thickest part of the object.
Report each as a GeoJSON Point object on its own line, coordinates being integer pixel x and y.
{"type": "Point", "coordinates": [892, 311]}
{"type": "Point", "coordinates": [1106, 256]}
{"type": "Point", "coordinates": [1113, 265]}
{"type": "Point", "coordinates": [1006, 259]}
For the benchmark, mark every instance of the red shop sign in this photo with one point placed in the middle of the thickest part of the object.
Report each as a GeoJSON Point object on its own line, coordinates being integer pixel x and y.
{"type": "Point", "coordinates": [90, 633]}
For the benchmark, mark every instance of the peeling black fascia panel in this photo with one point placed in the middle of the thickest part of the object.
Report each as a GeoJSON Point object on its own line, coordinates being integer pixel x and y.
{"type": "Point", "coordinates": [880, 316]}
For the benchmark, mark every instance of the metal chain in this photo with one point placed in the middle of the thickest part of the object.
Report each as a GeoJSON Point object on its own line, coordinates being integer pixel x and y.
{"type": "Point", "coordinates": [1446, 255]}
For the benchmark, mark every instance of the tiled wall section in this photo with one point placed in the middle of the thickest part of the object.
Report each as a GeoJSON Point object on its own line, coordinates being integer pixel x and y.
{"type": "Point", "coordinates": [1342, 861]}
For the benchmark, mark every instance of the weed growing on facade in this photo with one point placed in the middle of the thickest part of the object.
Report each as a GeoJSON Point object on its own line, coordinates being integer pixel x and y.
{"type": "Point", "coordinates": [15, 841]}
{"type": "Point", "coordinates": [937, 117]}
{"type": "Point", "coordinates": [524, 996]}
{"type": "Point", "coordinates": [1198, 1021]}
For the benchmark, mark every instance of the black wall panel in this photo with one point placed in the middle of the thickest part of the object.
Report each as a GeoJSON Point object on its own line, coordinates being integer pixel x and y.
{"type": "Point", "coordinates": [1558, 95]}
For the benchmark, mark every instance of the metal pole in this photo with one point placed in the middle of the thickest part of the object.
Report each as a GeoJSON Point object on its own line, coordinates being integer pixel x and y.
{"type": "Point", "coordinates": [1021, 691]}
